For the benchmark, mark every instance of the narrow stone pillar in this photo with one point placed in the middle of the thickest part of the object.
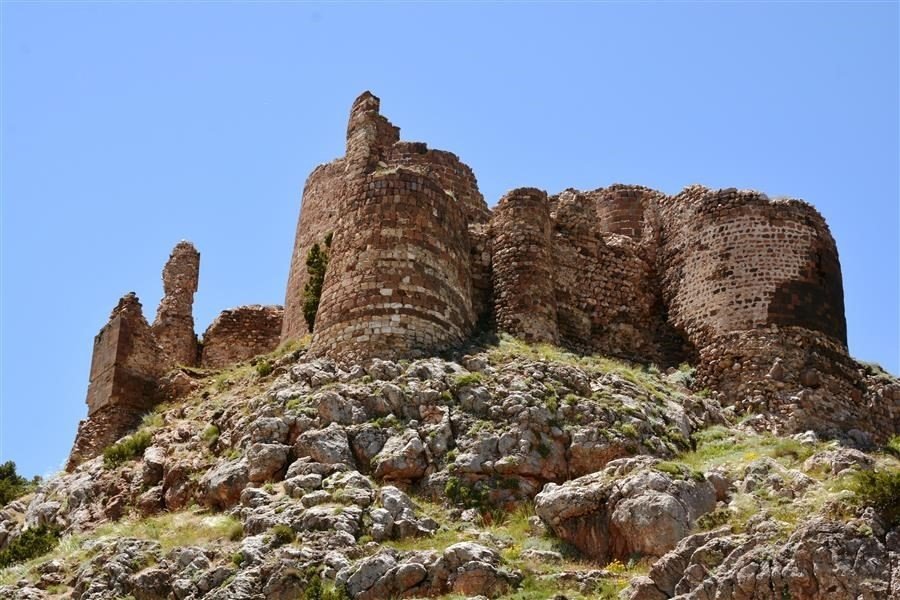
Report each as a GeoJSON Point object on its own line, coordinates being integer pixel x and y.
{"type": "Point", "coordinates": [174, 324]}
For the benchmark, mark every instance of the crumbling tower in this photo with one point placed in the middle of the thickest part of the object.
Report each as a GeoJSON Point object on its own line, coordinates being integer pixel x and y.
{"type": "Point", "coordinates": [399, 279]}
{"type": "Point", "coordinates": [174, 324]}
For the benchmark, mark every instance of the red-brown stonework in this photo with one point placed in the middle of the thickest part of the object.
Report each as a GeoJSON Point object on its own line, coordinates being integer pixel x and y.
{"type": "Point", "coordinates": [403, 288]}
{"type": "Point", "coordinates": [748, 289]}
{"type": "Point", "coordinates": [318, 217]}
{"type": "Point", "coordinates": [400, 277]}
{"type": "Point", "coordinates": [733, 260]}
{"type": "Point", "coordinates": [523, 263]}
{"type": "Point", "coordinates": [816, 385]}
{"type": "Point", "coordinates": [241, 333]}
{"type": "Point", "coordinates": [174, 324]}
{"type": "Point", "coordinates": [125, 366]}
{"type": "Point", "coordinates": [131, 359]}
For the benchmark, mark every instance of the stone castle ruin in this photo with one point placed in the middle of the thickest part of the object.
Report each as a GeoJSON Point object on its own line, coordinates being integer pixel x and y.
{"type": "Point", "coordinates": [746, 288]}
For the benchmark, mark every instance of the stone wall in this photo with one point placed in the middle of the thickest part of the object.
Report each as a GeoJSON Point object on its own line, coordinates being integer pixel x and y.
{"type": "Point", "coordinates": [805, 380]}
{"type": "Point", "coordinates": [125, 366]}
{"type": "Point", "coordinates": [400, 275]}
{"type": "Point", "coordinates": [238, 334]}
{"type": "Point", "coordinates": [447, 171]}
{"type": "Point", "coordinates": [524, 290]}
{"type": "Point", "coordinates": [131, 359]}
{"type": "Point", "coordinates": [174, 324]}
{"type": "Point", "coordinates": [603, 301]}
{"type": "Point", "coordinates": [402, 288]}
{"type": "Point", "coordinates": [318, 217]}
{"type": "Point", "coordinates": [734, 261]}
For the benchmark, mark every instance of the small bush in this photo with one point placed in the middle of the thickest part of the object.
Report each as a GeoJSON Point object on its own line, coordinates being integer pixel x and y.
{"type": "Point", "coordinates": [282, 534]}
{"type": "Point", "coordinates": [237, 558]}
{"type": "Point", "coordinates": [316, 590]}
{"type": "Point", "coordinates": [31, 544]}
{"type": "Point", "coordinates": [263, 368]}
{"type": "Point", "coordinates": [316, 265]}
{"type": "Point", "coordinates": [210, 435]}
{"type": "Point", "coordinates": [127, 449]}
{"type": "Point", "coordinates": [881, 491]}
{"type": "Point", "coordinates": [467, 379]}
{"type": "Point", "coordinates": [629, 430]}
{"type": "Point", "coordinates": [893, 446]}
{"type": "Point", "coordinates": [462, 493]}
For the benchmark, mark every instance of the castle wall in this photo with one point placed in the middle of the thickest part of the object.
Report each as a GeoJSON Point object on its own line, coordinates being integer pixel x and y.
{"type": "Point", "coordinates": [241, 333]}
{"type": "Point", "coordinates": [125, 366]}
{"type": "Point", "coordinates": [448, 171]}
{"type": "Point", "coordinates": [126, 360]}
{"type": "Point", "coordinates": [523, 266]}
{"type": "Point", "coordinates": [403, 287]}
{"type": "Point", "coordinates": [803, 378]}
{"type": "Point", "coordinates": [319, 214]}
{"type": "Point", "coordinates": [603, 301]}
{"type": "Point", "coordinates": [480, 251]}
{"type": "Point", "coordinates": [734, 261]}
{"type": "Point", "coordinates": [173, 328]}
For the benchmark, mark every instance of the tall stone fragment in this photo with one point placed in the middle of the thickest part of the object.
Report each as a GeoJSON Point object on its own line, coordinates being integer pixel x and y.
{"type": "Point", "coordinates": [174, 324]}
{"type": "Point", "coordinates": [125, 367]}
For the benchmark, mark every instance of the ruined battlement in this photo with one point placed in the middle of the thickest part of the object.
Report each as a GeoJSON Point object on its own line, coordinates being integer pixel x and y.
{"type": "Point", "coordinates": [132, 359]}
{"type": "Point", "coordinates": [746, 288]}
{"type": "Point", "coordinates": [418, 260]}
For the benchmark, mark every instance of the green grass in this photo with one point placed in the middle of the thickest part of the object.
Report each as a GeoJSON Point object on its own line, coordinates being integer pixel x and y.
{"type": "Point", "coordinates": [127, 449]}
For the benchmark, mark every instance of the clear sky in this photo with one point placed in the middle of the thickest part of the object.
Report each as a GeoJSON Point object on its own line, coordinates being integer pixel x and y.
{"type": "Point", "coordinates": [127, 127]}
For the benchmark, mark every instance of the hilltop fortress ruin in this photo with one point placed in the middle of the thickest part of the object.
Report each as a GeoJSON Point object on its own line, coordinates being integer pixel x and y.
{"type": "Point", "coordinates": [747, 289]}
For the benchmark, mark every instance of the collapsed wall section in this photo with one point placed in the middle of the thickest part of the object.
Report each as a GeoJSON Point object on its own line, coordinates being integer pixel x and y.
{"type": "Point", "coordinates": [603, 301]}
{"type": "Point", "coordinates": [241, 333]}
{"type": "Point", "coordinates": [403, 287]}
{"type": "Point", "coordinates": [125, 366]}
{"type": "Point", "coordinates": [522, 269]}
{"type": "Point", "coordinates": [803, 378]}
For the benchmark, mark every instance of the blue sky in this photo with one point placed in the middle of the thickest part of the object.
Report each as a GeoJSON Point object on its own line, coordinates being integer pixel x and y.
{"type": "Point", "coordinates": [127, 127]}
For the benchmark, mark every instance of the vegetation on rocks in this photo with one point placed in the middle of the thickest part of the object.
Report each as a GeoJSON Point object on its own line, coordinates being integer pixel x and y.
{"type": "Point", "coordinates": [512, 471]}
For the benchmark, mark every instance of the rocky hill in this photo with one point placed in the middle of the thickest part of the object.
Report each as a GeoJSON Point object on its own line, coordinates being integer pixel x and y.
{"type": "Point", "coordinates": [605, 394]}
{"type": "Point", "coordinates": [507, 470]}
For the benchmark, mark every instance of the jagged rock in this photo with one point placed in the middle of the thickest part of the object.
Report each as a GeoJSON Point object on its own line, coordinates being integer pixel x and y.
{"type": "Point", "coordinates": [328, 446]}
{"type": "Point", "coordinates": [403, 457]}
{"type": "Point", "coordinates": [151, 501]}
{"type": "Point", "coordinates": [646, 511]}
{"type": "Point", "coordinates": [267, 461]}
{"type": "Point", "coordinates": [152, 466]}
{"type": "Point", "coordinates": [269, 430]}
{"type": "Point", "coordinates": [838, 460]}
{"type": "Point", "coordinates": [178, 485]}
{"type": "Point", "coordinates": [222, 485]}
{"type": "Point", "coordinates": [821, 560]}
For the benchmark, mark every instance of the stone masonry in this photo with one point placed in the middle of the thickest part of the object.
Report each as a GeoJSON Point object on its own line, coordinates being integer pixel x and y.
{"type": "Point", "coordinates": [712, 277]}
{"type": "Point", "coordinates": [132, 358]}
{"type": "Point", "coordinates": [174, 324]}
{"type": "Point", "coordinates": [747, 289]}
{"type": "Point", "coordinates": [241, 333]}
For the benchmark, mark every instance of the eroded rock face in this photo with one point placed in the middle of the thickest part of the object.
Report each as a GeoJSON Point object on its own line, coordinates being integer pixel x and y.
{"type": "Point", "coordinates": [611, 514]}
{"type": "Point", "coordinates": [821, 560]}
{"type": "Point", "coordinates": [222, 486]}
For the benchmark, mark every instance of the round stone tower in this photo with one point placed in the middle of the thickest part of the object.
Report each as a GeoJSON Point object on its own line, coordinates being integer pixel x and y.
{"type": "Point", "coordinates": [398, 281]}
{"type": "Point", "coordinates": [734, 260]}
{"type": "Point", "coordinates": [524, 298]}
